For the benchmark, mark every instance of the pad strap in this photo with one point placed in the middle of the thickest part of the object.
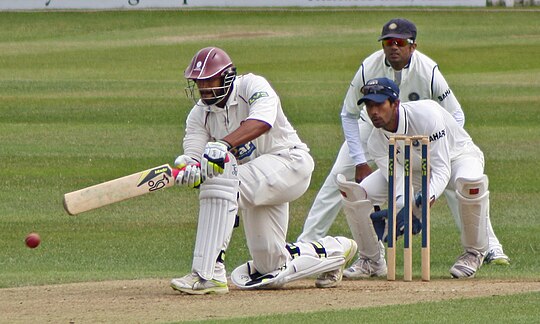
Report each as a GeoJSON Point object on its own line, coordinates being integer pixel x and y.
{"type": "Point", "coordinates": [319, 249]}
{"type": "Point", "coordinates": [294, 250]}
{"type": "Point", "coordinates": [221, 256]}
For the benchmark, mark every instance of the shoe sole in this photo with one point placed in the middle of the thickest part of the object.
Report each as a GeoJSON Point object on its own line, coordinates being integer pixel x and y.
{"type": "Point", "coordinates": [458, 277]}
{"type": "Point", "coordinates": [501, 261]}
{"type": "Point", "coordinates": [361, 276]}
{"type": "Point", "coordinates": [330, 284]}
{"type": "Point", "coordinates": [461, 273]}
{"type": "Point", "coordinates": [208, 291]}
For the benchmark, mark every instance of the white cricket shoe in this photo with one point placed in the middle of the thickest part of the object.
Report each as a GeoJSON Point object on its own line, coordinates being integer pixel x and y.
{"type": "Point", "coordinates": [366, 268]}
{"type": "Point", "coordinates": [193, 284]}
{"type": "Point", "coordinates": [467, 264]}
{"type": "Point", "coordinates": [333, 278]}
{"type": "Point", "coordinates": [496, 256]}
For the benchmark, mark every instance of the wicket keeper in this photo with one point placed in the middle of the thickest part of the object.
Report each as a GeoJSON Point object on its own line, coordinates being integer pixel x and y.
{"type": "Point", "coordinates": [418, 77]}
{"type": "Point", "coordinates": [457, 164]}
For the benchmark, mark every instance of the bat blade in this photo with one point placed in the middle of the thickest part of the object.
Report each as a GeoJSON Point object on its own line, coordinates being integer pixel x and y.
{"type": "Point", "coordinates": [116, 190]}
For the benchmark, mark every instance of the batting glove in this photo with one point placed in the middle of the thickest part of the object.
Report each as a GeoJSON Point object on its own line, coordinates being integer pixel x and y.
{"type": "Point", "coordinates": [214, 159]}
{"type": "Point", "coordinates": [190, 171]}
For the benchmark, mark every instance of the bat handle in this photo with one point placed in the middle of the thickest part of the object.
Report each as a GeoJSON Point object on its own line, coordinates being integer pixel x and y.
{"type": "Point", "coordinates": [175, 171]}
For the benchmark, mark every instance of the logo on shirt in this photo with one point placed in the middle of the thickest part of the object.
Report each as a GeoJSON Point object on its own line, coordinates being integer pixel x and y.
{"type": "Point", "coordinates": [413, 96]}
{"type": "Point", "coordinates": [438, 135]}
{"type": "Point", "coordinates": [444, 95]}
{"type": "Point", "coordinates": [257, 95]}
{"type": "Point", "coordinates": [243, 151]}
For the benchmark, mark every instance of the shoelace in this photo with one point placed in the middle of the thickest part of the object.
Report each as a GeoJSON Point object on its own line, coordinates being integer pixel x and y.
{"type": "Point", "coordinates": [470, 258]}
{"type": "Point", "coordinates": [366, 262]}
{"type": "Point", "coordinates": [332, 274]}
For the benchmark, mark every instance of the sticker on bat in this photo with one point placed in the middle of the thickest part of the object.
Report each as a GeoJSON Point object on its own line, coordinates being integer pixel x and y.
{"type": "Point", "coordinates": [149, 178]}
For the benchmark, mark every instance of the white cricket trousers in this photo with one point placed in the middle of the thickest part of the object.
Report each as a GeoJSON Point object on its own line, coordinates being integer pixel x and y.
{"type": "Point", "coordinates": [327, 203]}
{"type": "Point", "coordinates": [267, 185]}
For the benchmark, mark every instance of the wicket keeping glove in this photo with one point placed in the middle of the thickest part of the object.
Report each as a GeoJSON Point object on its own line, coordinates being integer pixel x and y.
{"type": "Point", "coordinates": [417, 205]}
{"type": "Point", "coordinates": [400, 224]}
{"type": "Point", "coordinates": [214, 159]}
{"type": "Point", "coordinates": [190, 172]}
{"type": "Point", "coordinates": [418, 200]}
{"type": "Point", "coordinates": [379, 218]}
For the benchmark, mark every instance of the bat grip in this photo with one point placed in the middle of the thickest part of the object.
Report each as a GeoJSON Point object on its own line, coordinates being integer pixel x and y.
{"type": "Point", "coordinates": [175, 171]}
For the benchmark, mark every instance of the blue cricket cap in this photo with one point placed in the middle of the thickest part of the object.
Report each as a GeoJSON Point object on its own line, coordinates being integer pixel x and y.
{"type": "Point", "coordinates": [379, 90]}
{"type": "Point", "coordinates": [399, 28]}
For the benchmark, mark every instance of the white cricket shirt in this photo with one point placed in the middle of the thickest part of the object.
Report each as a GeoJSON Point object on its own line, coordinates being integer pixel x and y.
{"type": "Point", "coordinates": [252, 97]}
{"type": "Point", "coordinates": [420, 79]}
{"type": "Point", "coordinates": [448, 140]}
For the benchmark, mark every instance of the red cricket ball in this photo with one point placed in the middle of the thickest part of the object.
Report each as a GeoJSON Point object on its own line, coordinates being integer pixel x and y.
{"type": "Point", "coordinates": [32, 240]}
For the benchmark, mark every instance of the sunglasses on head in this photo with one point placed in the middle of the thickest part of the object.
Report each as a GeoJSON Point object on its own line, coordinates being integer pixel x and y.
{"type": "Point", "coordinates": [376, 89]}
{"type": "Point", "coordinates": [397, 41]}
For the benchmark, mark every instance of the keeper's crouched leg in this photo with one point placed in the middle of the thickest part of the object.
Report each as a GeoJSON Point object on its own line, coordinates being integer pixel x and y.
{"type": "Point", "coordinates": [473, 197]}
{"type": "Point", "coordinates": [305, 260]}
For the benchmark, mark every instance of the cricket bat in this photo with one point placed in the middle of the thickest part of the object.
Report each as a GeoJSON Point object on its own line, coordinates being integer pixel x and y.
{"type": "Point", "coordinates": [116, 190]}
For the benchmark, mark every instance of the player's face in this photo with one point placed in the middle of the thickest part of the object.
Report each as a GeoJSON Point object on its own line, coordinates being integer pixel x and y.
{"type": "Point", "coordinates": [383, 115]}
{"type": "Point", "coordinates": [398, 51]}
{"type": "Point", "coordinates": [210, 89]}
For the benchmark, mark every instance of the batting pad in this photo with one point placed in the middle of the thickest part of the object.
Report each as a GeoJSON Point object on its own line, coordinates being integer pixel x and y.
{"type": "Point", "coordinates": [313, 258]}
{"type": "Point", "coordinates": [246, 277]}
{"type": "Point", "coordinates": [473, 198]}
{"type": "Point", "coordinates": [357, 210]}
{"type": "Point", "coordinates": [217, 214]}
{"type": "Point", "coordinates": [358, 217]}
{"type": "Point", "coordinates": [350, 190]}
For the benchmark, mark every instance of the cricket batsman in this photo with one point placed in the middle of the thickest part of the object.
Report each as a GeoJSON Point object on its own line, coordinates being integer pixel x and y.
{"type": "Point", "coordinates": [246, 158]}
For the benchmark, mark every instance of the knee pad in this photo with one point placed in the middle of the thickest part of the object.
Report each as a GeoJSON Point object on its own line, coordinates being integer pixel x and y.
{"type": "Point", "coordinates": [472, 188]}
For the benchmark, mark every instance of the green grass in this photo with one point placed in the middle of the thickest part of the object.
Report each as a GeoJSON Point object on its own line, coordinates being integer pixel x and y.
{"type": "Point", "coordinates": [501, 309]}
{"type": "Point", "coordinates": [86, 97]}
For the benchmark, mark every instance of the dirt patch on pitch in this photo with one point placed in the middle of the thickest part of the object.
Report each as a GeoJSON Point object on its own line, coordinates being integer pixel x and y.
{"type": "Point", "coordinates": [151, 300]}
